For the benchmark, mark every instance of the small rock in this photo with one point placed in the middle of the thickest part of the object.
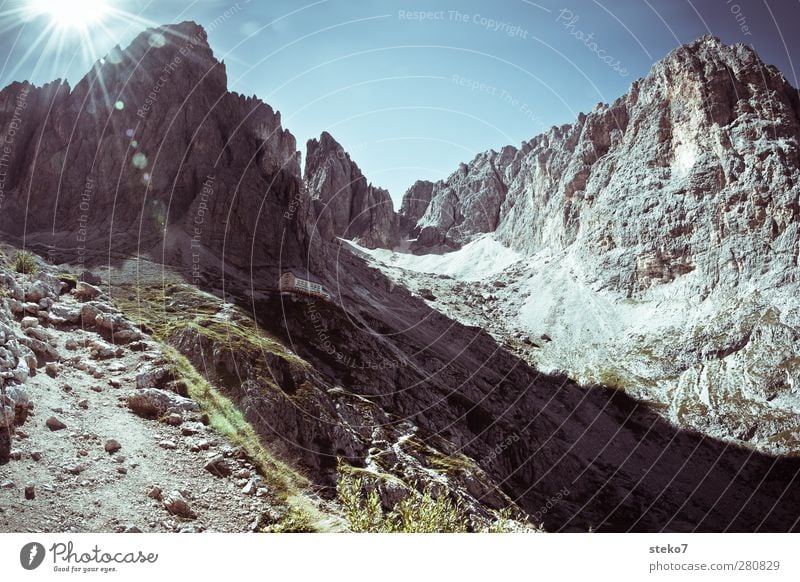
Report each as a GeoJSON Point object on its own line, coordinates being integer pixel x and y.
{"type": "Point", "coordinates": [101, 350]}
{"type": "Point", "coordinates": [97, 388]}
{"type": "Point", "coordinates": [83, 403]}
{"type": "Point", "coordinates": [54, 424]}
{"type": "Point", "coordinates": [122, 470]}
{"type": "Point", "coordinates": [154, 403]}
{"type": "Point", "coordinates": [35, 292]}
{"type": "Point", "coordinates": [219, 466]}
{"type": "Point", "coordinates": [39, 334]}
{"type": "Point", "coordinates": [174, 419]}
{"type": "Point", "coordinates": [71, 345]}
{"type": "Point", "coordinates": [154, 378]}
{"type": "Point", "coordinates": [112, 446]}
{"type": "Point", "coordinates": [250, 488]}
{"type": "Point", "coordinates": [167, 444]}
{"type": "Point", "coordinates": [30, 492]}
{"type": "Point", "coordinates": [189, 429]}
{"type": "Point", "coordinates": [89, 277]}
{"type": "Point", "coordinates": [86, 291]}
{"type": "Point", "coordinates": [51, 369]}
{"type": "Point", "coordinates": [36, 455]}
{"type": "Point", "coordinates": [15, 455]}
{"type": "Point", "coordinates": [132, 529]}
{"type": "Point", "coordinates": [114, 383]}
{"type": "Point", "coordinates": [28, 322]}
{"type": "Point", "coordinates": [176, 504]}
{"type": "Point", "coordinates": [7, 485]}
{"type": "Point", "coordinates": [154, 493]}
{"type": "Point", "coordinates": [76, 469]}
{"type": "Point", "coordinates": [178, 387]}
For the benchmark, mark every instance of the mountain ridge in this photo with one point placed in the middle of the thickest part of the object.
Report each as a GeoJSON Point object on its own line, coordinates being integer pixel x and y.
{"type": "Point", "coordinates": [375, 377]}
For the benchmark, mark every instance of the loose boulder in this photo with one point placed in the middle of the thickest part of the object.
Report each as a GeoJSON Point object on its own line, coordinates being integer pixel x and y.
{"type": "Point", "coordinates": [155, 403]}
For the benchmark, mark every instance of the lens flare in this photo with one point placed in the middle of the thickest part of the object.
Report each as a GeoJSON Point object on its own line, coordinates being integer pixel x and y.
{"type": "Point", "coordinates": [74, 14]}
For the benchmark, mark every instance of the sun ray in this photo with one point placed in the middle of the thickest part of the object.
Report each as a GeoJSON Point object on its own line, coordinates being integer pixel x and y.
{"type": "Point", "coordinates": [44, 36]}
{"type": "Point", "coordinates": [75, 14]}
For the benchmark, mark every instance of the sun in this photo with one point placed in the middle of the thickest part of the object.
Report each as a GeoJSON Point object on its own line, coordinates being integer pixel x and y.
{"type": "Point", "coordinates": [72, 14]}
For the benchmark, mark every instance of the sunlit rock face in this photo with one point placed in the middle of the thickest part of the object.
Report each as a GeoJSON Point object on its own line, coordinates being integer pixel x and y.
{"type": "Point", "coordinates": [150, 148]}
{"type": "Point", "coordinates": [696, 167]}
{"type": "Point", "coordinates": [661, 236]}
{"type": "Point", "coordinates": [345, 204]}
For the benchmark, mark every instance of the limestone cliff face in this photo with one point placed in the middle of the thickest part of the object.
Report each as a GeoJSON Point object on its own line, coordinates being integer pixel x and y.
{"type": "Point", "coordinates": [696, 167]}
{"type": "Point", "coordinates": [661, 235]}
{"type": "Point", "coordinates": [345, 204]}
{"type": "Point", "coordinates": [465, 204]}
{"type": "Point", "coordinates": [151, 148]}
{"type": "Point", "coordinates": [414, 205]}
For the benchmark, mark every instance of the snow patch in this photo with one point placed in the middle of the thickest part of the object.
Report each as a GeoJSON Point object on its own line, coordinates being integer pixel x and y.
{"type": "Point", "coordinates": [482, 258]}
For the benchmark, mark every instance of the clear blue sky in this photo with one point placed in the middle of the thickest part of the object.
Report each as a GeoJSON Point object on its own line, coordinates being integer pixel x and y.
{"type": "Point", "coordinates": [412, 97]}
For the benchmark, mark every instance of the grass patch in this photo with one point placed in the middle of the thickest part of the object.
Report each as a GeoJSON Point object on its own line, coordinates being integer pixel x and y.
{"type": "Point", "coordinates": [24, 263]}
{"type": "Point", "coordinates": [173, 309]}
{"type": "Point", "coordinates": [611, 378]}
{"type": "Point", "coordinates": [451, 464]}
{"type": "Point", "coordinates": [170, 311]}
{"type": "Point", "coordinates": [418, 512]}
{"type": "Point", "coordinates": [226, 418]}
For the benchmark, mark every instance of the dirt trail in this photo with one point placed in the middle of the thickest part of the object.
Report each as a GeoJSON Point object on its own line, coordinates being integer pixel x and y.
{"type": "Point", "coordinates": [80, 487]}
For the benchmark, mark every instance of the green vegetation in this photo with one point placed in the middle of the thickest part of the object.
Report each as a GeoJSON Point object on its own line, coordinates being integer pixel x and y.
{"type": "Point", "coordinates": [294, 520]}
{"type": "Point", "coordinates": [417, 512]}
{"type": "Point", "coordinates": [611, 378]}
{"type": "Point", "coordinates": [169, 312]}
{"type": "Point", "coordinates": [172, 312]}
{"type": "Point", "coordinates": [69, 279]}
{"type": "Point", "coordinates": [24, 263]}
{"type": "Point", "coordinates": [226, 418]}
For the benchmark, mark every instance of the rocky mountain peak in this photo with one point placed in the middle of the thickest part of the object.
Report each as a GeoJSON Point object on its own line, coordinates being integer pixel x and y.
{"type": "Point", "coordinates": [692, 139]}
{"type": "Point", "coordinates": [163, 142]}
{"type": "Point", "coordinates": [346, 204]}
